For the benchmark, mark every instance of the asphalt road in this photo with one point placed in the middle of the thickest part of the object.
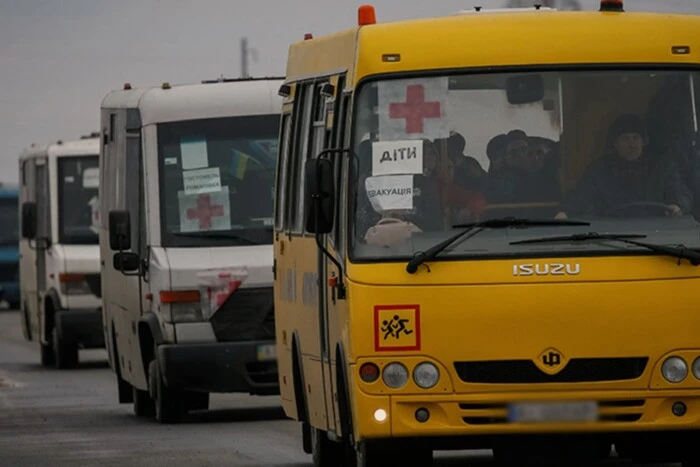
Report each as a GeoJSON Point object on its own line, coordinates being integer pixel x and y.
{"type": "Point", "coordinates": [72, 418]}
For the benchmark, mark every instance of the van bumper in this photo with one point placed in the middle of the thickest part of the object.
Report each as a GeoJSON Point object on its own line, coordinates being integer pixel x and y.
{"type": "Point", "coordinates": [83, 327]}
{"type": "Point", "coordinates": [218, 367]}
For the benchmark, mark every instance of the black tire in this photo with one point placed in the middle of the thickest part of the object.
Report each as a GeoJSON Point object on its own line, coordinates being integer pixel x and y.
{"type": "Point", "coordinates": [197, 400]}
{"type": "Point", "coordinates": [48, 359]}
{"type": "Point", "coordinates": [169, 404]}
{"type": "Point", "coordinates": [66, 353]}
{"type": "Point", "coordinates": [324, 452]}
{"type": "Point", "coordinates": [143, 404]}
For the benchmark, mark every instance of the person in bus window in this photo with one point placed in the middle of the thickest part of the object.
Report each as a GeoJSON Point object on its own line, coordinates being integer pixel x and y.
{"type": "Point", "coordinates": [628, 173]}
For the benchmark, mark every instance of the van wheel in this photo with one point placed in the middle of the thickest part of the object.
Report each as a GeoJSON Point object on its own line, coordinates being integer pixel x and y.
{"type": "Point", "coordinates": [143, 404]}
{"type": "Point", "coordinates": [197, 400]}
{"type": "Point", "coordinates": [324, 452]}
{"type": "Point", "coordinates": [169, 404]}
{"type": "Point", "coordinates": [47, 356]}
{"type": "Point", "coordinates": [66, 353]}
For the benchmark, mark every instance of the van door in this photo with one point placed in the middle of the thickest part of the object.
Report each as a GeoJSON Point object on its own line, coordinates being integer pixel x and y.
{"type": "Point", "coordinates": [27, 259]}
{"type": "Point", "coordinates": [43, 205]}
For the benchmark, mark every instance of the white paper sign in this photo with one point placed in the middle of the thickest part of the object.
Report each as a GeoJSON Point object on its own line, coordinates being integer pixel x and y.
{"type": "Point", "coordinates": [91, 177]}
{"type": "Point", "coordinates": [397, 157]}
{"type": "Point", "coordinates": [205, 211]}
{"type": "Point", "coordinates": [170, 161]}
{"type": "Point", "coordinates": [390, 192]}
{"type": "Point", "coordinates": [201, 181]}
{"type": "Point", "coordinates": [413, 108]}
{"type": "Point", "coordinates": [194, 153]}
{"type": "Point", "coordinates": [95, 214]}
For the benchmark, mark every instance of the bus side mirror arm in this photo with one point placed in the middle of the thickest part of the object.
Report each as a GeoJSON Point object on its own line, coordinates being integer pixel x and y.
{"type": "Point", "coordinates": [319, 208]}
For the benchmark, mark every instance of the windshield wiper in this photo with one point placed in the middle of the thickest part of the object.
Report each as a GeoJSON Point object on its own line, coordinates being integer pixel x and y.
{"type": "Point", "coordinates": [219, 235]}
{"type": "Point", "coordinates": [472, 229]}
{"type": "Point", "coordinates": [680, 252]}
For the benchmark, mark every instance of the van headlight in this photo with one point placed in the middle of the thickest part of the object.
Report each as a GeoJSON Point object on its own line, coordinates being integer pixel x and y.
{"type": "Point", "coordinates": [426, 375]}
{"type": "Point", "coordinates": [395, 375]}
{"type": "Point", "coordinates": [185, 312]}
{"type": "Point", "coordinates": [674, 369]}
{"type": "Point", "coordinates": [696, 368]}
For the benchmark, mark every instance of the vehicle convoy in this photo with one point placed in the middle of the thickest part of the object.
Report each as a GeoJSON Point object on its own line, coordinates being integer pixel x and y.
{"type": "Point", "coordinates": [487, 237]}
{"type": "Point", "coordinates": [186, 241]}
{"type": "Point", "coordinates": [59, 256]}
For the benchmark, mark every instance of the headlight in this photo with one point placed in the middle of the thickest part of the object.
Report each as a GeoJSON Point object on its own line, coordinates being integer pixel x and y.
{"type": "Point", "coordinates": [696, 368]}
{"type": "Point", "coordinates": [74, 284]}
{"type": "Point", "coordinates": [674, 370]}
{"type": "Point", "coordinates": [395, 375]}
{"type": "Point", "coordinates": [185, 312]}
{"type": "Point", "coordinates": [426, 375]}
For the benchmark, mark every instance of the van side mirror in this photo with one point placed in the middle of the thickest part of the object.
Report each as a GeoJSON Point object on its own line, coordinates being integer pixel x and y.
{"type": "Point", "coordinates": [119, 231]}
{"type": "Point", "coordinates": [319, 196]}
{"type": "Point", "coordinates": [29, 220]}
{"type": "Point", "coordinates": [126, 261]}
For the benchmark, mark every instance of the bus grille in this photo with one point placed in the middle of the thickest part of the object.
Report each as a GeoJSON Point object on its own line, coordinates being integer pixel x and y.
{"type": "Point", "coordinates": [247, 315]}
{"type": "Point", "coordinates": [578, 370]}
{"type": "Point", "coordinates": [610, 411]}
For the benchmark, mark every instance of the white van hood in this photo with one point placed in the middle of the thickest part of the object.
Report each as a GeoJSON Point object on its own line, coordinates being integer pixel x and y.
{"type": "Point", "coordinates": [186, 263]}
{"type": "Point", "coordinates": [78, 259]}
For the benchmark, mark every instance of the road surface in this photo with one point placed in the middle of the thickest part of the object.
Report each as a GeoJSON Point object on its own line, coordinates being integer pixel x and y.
{"type": "Point", "coordinates": [71, 418]}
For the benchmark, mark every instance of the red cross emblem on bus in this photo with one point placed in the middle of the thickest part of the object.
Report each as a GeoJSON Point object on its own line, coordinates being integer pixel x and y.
{"type": "Point", "coordinates": [415, 110]}
{"type": "Point", "coordinates": [205, 211]}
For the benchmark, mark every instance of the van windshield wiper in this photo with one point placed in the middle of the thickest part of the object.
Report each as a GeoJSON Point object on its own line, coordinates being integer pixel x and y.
{"type": "Point", "coordinates": [680, 252]}
{"type": "Point", "coordinates": [474, 228]}
{"type": "Point", "coordinates": [219, 235]}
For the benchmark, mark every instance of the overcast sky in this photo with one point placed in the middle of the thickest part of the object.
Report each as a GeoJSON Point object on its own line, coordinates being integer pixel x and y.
{"type": "Point", "coordinates": [58, 58]}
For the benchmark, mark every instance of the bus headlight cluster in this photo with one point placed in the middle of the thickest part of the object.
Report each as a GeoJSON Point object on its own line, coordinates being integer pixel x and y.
{"type": "Point", "coordinates": [675, 370]}
{"type": "Point", "coordinates": [395, 375]}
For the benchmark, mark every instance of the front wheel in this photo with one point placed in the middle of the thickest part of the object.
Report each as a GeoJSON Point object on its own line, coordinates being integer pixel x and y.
{"type": "Point", "coordinates": [47, 357]}
{"type": "Point", "coordinates": [170, 404]}
{"type": "Point", "coordinates": [66, 353]}
{"type": "Point", "coordinates": [143, 404]}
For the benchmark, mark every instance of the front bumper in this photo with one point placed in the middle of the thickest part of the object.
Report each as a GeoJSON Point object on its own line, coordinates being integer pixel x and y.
{"type": "Point", "coordinates": [83, 327]}
{"type": "Point", "coordinates": [219, 367]}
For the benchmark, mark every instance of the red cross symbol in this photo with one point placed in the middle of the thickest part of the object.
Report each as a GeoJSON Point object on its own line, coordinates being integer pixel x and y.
{"type": "Point", "coordinates": [205, 211]}
{"type": "Point", "coordinates": [415, 110]}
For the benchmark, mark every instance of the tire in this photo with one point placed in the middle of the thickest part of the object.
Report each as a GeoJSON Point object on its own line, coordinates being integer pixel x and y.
{"type": "Point", "coordinates": [324, 452]}
{"type": "Point", "coordinates": [48, 359]}
{"type": "Point", "coordinates": [66, 353]}
{"type": "Point", "coordinates": [197, 400]}
{"type": "Point", "coordinates": [143, 404]}
{"type": "Point", "coordinates": [169, 404]}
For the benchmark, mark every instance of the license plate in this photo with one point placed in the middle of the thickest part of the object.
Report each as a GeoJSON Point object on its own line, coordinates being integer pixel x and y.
{"type": "Point", "coordinates": [553, 412]}
{"type": "Point", "coordinates": [267, 352]}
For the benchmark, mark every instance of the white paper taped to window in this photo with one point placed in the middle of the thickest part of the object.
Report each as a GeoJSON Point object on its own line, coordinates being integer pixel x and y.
{"type": "Point", "coordinates": [413, 108]}
{"type": "Point", "coordinates": [201, 181]}
{"type": "Point", "coordinates": [397, 157]}
{"type": "Point", "coordinates": [91, 177]}
{"type": "Point", "coordinates": [194, 153]}
{"type": "Point", "coordinates": [390, 192]}
{"type": "Point", "coordinates": [205, 211]}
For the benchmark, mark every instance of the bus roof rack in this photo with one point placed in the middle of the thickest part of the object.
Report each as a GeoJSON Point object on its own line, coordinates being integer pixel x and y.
{"type": "Point", "coordinates": [233, 80]}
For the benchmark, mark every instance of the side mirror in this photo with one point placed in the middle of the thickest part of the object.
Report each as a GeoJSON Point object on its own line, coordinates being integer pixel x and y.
{"type": "Point", "coordinates": [126, 261]}
{"type": "Point", "coordinates": [319, 196]}
{"type": "Point", "coordinates": [29, 220]}
{"type": "Point", "coordinates": [119, 230]}
{"type": "Point", "coordinates": [525, 89]}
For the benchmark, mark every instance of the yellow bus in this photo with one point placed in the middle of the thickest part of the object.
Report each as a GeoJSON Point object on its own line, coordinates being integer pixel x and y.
{"type": "Point", "coordinates": [486, 237]}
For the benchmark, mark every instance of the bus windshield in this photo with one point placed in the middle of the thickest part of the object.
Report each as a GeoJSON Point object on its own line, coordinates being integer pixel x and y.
{"type": "Point", "coordinates": [9, 216]}
{"type": "Point", "coordinates": [78, 183]}
{"type": "Point", "coordinates": [616, 148]}
{"type": "Point", "coordinates": [217, 178]}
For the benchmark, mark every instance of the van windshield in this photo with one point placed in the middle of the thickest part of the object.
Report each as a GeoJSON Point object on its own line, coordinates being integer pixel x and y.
{"type": "Point", "coordinates": [78, 183]}
{"type": "Point", "coordinates": [616, 148]}
{"type": "Point", "coordinates": [216, 179]}
{"type": "Point", "coordinates": [9, 216]}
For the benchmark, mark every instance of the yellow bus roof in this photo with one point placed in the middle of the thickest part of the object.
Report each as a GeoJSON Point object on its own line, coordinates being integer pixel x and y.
{"type": "Point", "coordinates": [500, 39]}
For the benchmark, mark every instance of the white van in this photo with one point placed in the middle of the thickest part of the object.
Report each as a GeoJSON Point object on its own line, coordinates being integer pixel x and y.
{"type": "Point", "coordinates": [59, 253]}
{"type": "Point", "coordinates": [186, 241]}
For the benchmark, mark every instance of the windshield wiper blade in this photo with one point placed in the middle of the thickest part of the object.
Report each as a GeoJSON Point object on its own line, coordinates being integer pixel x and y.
{"type": "Point", "coordinates": [473, 228]}
{"type": "Point", "coordinates": [219, 235]}
{"type": "Point", "coordinates": [680, 252]}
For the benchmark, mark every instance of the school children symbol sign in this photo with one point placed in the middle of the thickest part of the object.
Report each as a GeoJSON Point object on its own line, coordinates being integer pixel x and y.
{"type": "Point", "coordinates": [413, 109]}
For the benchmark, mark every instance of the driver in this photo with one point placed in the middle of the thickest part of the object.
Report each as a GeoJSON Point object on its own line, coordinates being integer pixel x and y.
{"type": "Point", "coordinates": [627, 173]}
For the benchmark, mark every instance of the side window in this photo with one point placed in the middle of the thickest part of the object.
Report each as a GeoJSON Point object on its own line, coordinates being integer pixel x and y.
{"type": "Point", "coordinates": [134, 186]}
{"type": "Point", "coordinates": [282, 169]}
{"type": "Point", "coordinates": [43, 200]}
{"type": "Point", "coordinates": [319, 122]}
{"type": "Point", "coordinates": [302, 131]}
{"type": "Point", "coordinates": [336, 141]}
